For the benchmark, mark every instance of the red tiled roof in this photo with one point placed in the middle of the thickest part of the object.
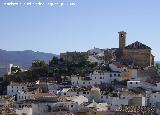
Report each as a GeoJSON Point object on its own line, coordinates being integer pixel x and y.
{"type": "Point", "coordinates": [120, 65]}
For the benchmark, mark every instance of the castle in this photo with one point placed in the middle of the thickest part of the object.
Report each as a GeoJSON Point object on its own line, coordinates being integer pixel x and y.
{"type": "Point", "coordinates": [136, 53]}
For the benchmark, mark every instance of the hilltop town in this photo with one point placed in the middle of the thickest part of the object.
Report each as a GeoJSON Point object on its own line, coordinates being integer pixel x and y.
{"type": "Point", "coordinates": [116, 81]}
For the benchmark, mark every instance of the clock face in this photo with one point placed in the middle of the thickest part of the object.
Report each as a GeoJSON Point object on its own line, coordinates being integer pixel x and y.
{"type": "Point", "coordinates": [122, 35]}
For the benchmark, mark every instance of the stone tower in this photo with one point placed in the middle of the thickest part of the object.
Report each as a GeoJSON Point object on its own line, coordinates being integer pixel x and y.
{"type": "Point", "coordinates": [122, 39]}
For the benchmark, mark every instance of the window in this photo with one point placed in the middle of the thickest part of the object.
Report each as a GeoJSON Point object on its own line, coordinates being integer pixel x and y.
{"type": "Point", "coordinates": [77, 92]}
{"type": "Point", "coordinates": [84, 92]}
{"type": "Point", "coordinates": [49, 108]}
{"type": "Point", "coordinates": [64, 93]}
{"type": "Point", "coordinates": [12, 90]}
{"type": "Point", "coordinates": [25, 97]}
{"type": "Point", "coordinates": [101, 96]}
{"type": "Point", "coordinates": [114, 74]}
{"type": "Point", "coordinates": [78, 77]}
{"type": "Point", "coordinates": [71, 105]}
{"type": "Point", "coordinates": [95, 77]}
{"type": "Point", "coordinates": [22, 97]}
{"type": "Point", "coordinates": [83, 82]}
{"type": "Point", "coordinates": [72, 82]}
{"type": "Point", "coordinates": [110, 75]}
{"type": "Point", "coordinates": [89, 82]}
{"type": "Point", "coordinates": [87, 92]}
{"type": "Point", "coordinates": [136, 83]}
{"type": "Point", "coordinates": [77, 82]}
{"type": "Point", "coordinates": [22, 87]}
{"type": "Point", "coordinates": [100, 77]}
{"type": "Point", "coordinates": [119, 75]}
{"type": "Point", "coordinates": [12, 86]}
{"type": "Point", "coordinates": [130, 82]}
{"type": "Point", "coordinates": [17, 87]}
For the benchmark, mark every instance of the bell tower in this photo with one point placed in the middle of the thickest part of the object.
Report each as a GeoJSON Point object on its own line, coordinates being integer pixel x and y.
{"type": "Point", "coordinates": [122, 39]}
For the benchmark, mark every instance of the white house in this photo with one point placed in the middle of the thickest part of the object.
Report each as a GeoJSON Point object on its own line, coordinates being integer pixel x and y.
{"type": "Point", "coordinates": [134, 84]}
{"type": "Point", "coordinates": [66, 92]}
{"type": "Point", "coordinates": [99, 106]}
{"type": "Point", "coordinates": [25, 96]}
{"type": "Point", "coordinates": [118, 67]}
{"type": "Point", "coordinates": [79, 99]}
{"type": "Point", "coordinates": [47, 107]}
{"type": "Point", "coordinates": [95, 59]}
{"type": "Point", "coordinates": [51, 86]}
{"type": "Point", "coordinates": [144, 85]}
{"type": "Point", "coordinates": [117, 102]}
{"type": "Point", "coordinates": [154, 99]}
{"type": "Point", "coordinates": [15, 88]}
{"type": "Point", "coordinates": [75, 92]}
{"type": "Point", "coordinates": [81, 81]}
{"type": "Point", "coordinates": [99, 77]}
{"type": "Point", "coordinates": [95, 51]}
{"type": "Point", "coordinates": [50, 107]}
{"type": "Point", "coordinates": [134, 74]}
{"type": "Point", "coordinates": [24, 110]}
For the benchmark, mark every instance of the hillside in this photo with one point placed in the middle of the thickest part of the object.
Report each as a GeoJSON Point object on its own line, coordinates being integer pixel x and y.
{"type": "Point", "coordinates": [157, 62]}
{"type": "Point", "coordinates": [23, 58]}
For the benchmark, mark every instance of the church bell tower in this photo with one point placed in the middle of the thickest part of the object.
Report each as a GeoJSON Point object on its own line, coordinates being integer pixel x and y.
{"type": "Point", "coordinates": [122, 39]}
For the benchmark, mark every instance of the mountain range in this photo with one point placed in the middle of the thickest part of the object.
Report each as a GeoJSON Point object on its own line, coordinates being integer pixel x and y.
{"type": "Point", "coordinates": [23, 58]}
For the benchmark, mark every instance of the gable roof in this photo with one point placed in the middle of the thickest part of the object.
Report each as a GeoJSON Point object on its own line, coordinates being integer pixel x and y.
{"type": "Point", "coordinates": [137, 45]}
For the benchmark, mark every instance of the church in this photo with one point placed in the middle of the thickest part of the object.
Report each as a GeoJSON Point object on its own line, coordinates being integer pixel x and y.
{"type": "Point", "coordinates": [134, 54]}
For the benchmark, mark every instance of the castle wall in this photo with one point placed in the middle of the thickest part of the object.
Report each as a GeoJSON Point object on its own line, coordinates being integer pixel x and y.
{"type": "Point", "coordinates": [141, 57]}
{"type": "Point", "coordinates": [74, 56]}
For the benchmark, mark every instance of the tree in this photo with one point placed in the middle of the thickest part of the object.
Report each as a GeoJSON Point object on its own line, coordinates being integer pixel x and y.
{"type": "Point", "coordinates": [54, 61]}
{"type": "Point", "coordinates": [157, 66]}
{"type": "Point", "coordinates": [15, 69]}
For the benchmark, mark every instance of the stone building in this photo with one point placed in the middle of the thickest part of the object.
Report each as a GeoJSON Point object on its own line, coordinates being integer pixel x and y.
{"type": "Point", "coordinates": [74, 56]}
{"type": "Point", "coordinates": [110, 55]}
{"type": "Point", "coordinates": [134, 54]}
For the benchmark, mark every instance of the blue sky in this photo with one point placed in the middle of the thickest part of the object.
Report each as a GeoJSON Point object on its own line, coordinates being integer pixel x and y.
{"type": "Point", "coordinates": [88, 24]}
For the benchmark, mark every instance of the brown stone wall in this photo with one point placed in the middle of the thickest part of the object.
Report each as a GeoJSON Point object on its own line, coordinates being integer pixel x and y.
{"type": "Point", "coordinates": [122, 39]}
{"type": "Point", "coordinates": [73, 56]}
{"type": "Point", "coordinates": [109, 56]}
{"type": "Point", "coordinates": [141, 57]}
{"type": "Point", "coordinates": [152, 59]}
